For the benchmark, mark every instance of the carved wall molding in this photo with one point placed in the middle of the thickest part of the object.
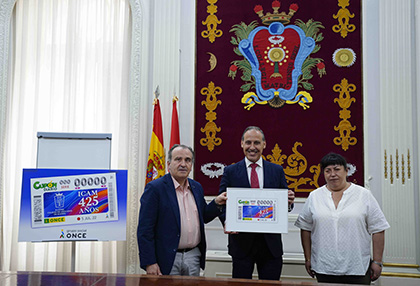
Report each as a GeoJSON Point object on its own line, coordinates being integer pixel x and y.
{"type": "Point", "coordinates": [6, 8]}
{"type": "Point", "coordinates": [135, 180]}
{"type": "Point", "coordinates": [396, 130]}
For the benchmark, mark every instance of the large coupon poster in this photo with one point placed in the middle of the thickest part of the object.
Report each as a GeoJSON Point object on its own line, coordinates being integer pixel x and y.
{"type": "Point", "coordinates": [73, 205]}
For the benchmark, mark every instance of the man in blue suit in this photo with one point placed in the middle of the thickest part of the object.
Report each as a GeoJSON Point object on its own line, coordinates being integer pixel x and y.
{"type": "Point", "coordinates": [263, 249]}
{"type": "Point", "coordinates": [173, 211]}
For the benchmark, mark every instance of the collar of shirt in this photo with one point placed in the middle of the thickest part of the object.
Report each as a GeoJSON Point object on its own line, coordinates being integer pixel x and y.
{"type": "Point", "coordinates": [259, 162]}
{"type": "Point", "coordinates": [259, 170]}
{"type": "Point", "coordinates": [178, 186]}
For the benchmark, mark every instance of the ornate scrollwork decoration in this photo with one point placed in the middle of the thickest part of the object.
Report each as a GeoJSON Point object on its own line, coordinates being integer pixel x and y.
{"type": "Point", "coordinates": [296, 162]}
{"type": "Point", "coordinates": [277, 157]}
{"type": "Point", "coordinates": [344, 57]}
{"type": "Point", "coordinates": [211, 22]}
{"type": "Point", "coordinates": [385, 166]}
{"type": "Point", "coordinates": [391, 174]}
{"type": "Point", "coordinates": [213, 170]}
{"type": "Point", "coordinates": [343, 16]}
{"type": "Point", "coordinates": [397, 168]}
{"type": "Point", "coordinates": [316, 170]}
{"type": "Point", "coordinates": [211, 128]}
{"type": "Point", "coordinates": [212, 61]}
{"type": "Point", "coordinates": [402, 169]}
{"type": "Point", "coordinates": [296, 166]}
{"type": "Point", "coordinates": [408, 164]}
{"type": "Point", "coordinates": [344, 127]}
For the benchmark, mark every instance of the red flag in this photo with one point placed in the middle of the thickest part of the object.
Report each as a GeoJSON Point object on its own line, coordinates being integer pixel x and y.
{"type": "Point", "coordinates": [156, 161]}
{"type": "Point", "coordinates": [174, 124]}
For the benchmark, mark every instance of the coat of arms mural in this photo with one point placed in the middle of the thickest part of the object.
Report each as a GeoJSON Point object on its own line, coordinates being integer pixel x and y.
{"type": "Point", "coordinates": [293, 72]}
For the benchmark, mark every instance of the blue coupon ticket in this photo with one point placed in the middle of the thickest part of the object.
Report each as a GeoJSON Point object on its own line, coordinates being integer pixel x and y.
{"type": "Point", "coordinates": [73, 199]}
{"type": "Point", "coordinates": [256, 210]}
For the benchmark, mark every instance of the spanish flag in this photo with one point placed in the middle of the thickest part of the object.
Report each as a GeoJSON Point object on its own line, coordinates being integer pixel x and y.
{"type": "Point", "coordinates": [156, 161]}
{"type": "Point", "coordinates": [174, 124]}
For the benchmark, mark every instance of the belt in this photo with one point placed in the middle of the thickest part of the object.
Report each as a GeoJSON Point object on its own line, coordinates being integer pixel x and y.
{"type": "Point", "coordinates": [184, 250]}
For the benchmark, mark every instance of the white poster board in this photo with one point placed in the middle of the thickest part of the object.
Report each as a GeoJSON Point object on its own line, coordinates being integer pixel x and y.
{"type": "Point", "coordinates": [74, 150]}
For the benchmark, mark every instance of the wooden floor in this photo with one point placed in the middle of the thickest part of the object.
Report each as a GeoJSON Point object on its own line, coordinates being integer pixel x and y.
{"type": "Point", "coordinates": [98, 279]}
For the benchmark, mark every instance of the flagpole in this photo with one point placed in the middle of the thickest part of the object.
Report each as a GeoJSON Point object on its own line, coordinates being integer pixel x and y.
{"type": "Point", "coordinates": [156, 94]}
{"type": "Point", "coordinates": [175, 138]}
{"type": "Point", "coordinates": [156, 159]}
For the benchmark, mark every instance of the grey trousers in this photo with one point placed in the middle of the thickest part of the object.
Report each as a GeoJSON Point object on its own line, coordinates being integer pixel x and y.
{"type": "Point", "coordinates": [187, 263]}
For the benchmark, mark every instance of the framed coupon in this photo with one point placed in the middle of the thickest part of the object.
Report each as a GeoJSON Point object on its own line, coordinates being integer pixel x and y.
{"type": "Point", "coordinates": [257, 210]}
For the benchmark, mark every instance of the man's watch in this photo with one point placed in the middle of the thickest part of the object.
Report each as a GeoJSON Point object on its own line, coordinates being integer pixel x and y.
{"type": "Point", "coordinates": [378, 263]}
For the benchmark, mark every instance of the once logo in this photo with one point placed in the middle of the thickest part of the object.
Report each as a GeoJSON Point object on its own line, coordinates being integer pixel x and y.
{"type": "Point", "coordinates": [76, 235]}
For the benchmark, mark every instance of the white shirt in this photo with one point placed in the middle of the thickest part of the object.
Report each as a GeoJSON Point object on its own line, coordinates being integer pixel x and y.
{"type": "Point", "coordinates": [341, 238]}
{"type": "Point", "coordinates": [259, 170]}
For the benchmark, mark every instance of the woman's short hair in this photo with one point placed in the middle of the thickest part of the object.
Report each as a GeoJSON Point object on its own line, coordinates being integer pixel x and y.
{"type": "Point", "coordinates": [333, 159]}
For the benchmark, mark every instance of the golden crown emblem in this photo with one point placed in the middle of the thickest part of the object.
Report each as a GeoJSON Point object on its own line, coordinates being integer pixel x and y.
{"type": "Point", "coordinates": [282, 17]}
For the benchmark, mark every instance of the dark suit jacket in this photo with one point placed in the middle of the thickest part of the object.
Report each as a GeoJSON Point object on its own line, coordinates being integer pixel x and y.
{"type": "Point", "coordinates": [159, 226]}
{"type": "Point", "coordinates": [236, 176]}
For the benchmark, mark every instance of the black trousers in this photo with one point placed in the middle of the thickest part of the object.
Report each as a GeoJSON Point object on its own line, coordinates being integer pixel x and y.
{"type": "Point", "coordinates": [345, 279]}
{"type": "Point", "coordinates": [268, 267]}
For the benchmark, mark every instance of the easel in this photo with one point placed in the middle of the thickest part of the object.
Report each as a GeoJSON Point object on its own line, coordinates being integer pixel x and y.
{"type": "Point", "coordinates": [74, 151]}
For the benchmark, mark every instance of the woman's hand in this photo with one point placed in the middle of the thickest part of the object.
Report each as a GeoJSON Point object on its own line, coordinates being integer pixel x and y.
{"type": "Point", "coordinates": [309, 269]}
{"type": "Point", "coordinates": [378, 243]}
{"type": "Point", "coordinates": [305, 236]}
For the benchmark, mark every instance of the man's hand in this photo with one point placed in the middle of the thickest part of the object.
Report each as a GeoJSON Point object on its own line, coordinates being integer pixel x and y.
{"type": "Point", "coordinates": [153, 269]}
{"type": "Point", "coordinates": [221, 199]}
{"type": "Point", "coordinates": [375, 271]}
{"type": "Point", "coordinates": [291, 197]}
{"type": "Point", "coordinates": [228, 232]}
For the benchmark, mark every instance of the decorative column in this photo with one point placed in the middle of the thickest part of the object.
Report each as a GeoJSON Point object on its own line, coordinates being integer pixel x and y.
{"type": "Point", "coordinates": [397, 94]}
